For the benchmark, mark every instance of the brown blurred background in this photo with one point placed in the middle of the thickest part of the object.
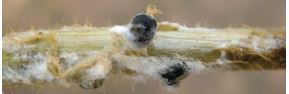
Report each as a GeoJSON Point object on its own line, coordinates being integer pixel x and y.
{"type": "Point", "coordinates": [21, 14]}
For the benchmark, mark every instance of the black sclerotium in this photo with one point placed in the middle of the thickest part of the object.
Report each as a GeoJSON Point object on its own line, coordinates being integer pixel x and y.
{"type": "Point", "coordinates": [143, 27]}
{"type": "Point", "coordinates": [174, 74]}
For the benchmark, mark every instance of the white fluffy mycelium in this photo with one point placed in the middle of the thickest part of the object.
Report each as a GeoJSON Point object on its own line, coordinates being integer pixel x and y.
{"type": "Point", "coordinates": [36, 69]}
{"type": "Point", "coordinates": [153, 67]}
{"type": "Point", "coordinates": [26, 63]}
{"type": "Point", "coordinates": [124, 32]}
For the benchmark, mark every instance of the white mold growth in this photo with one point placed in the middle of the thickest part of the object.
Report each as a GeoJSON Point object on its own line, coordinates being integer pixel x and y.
{"type": "Point", "coordinates": [98, 71]}
{"type": "Point", "coordinates": [156, 67]}
{"type": "Point", "coordinates": [27, 64]}
{"type": "Point", "coordinates": [27, 73]}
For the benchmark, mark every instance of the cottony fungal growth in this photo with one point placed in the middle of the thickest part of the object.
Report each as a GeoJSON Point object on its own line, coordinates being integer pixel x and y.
{"type": "Point", "coordinates": [145, 48]}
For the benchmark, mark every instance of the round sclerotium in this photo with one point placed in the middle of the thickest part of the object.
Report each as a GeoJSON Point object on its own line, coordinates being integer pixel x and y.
{"type": "Point", "coordinates": [143, 28]}
{"type": "Point", "coordinates": [174, 74]}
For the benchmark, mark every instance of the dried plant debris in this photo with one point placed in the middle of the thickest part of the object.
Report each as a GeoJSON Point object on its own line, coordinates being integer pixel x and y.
{"type": "Point", "coordinates": [152, 10]}
{"type": "Point", "coordinates": [87, 56]}
{"type": "Point", "coordinates": [246, 58]}
{"type": "Point", "coordinates": [89, 70]}
{"type": "Point", "coordinates": [170, 71]}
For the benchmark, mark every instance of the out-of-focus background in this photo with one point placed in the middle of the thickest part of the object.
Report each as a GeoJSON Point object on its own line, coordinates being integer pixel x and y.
{"type": "Point", "coordinates": [22, 14]}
